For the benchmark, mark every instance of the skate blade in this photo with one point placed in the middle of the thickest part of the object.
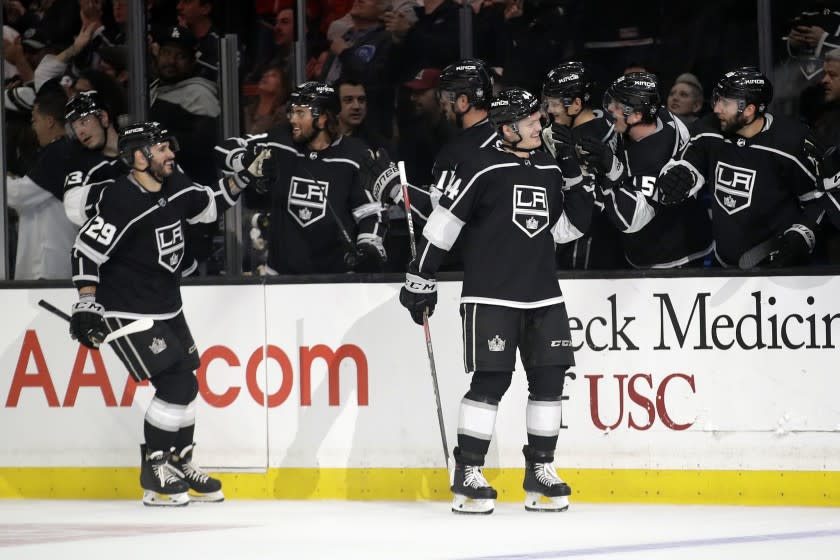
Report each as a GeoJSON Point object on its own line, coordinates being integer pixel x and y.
{"type": "Point", "coordinates": [465, 505]}
{"type": "Point", "coordinates": [209, 497]}
{"type": "Point", "coordinates": [154, 499]}
{"type": "Point", "coordinates": [535, 501]}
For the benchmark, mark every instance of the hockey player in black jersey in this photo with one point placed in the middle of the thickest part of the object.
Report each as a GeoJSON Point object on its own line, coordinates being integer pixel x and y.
{"type": "Point", "coordinates": [510, 203]}
{"type": "Point", "coordinates": [90, 124]}
{"type": "Point", "coordinates": [126, 265]}
{"type": "Point", "coordinates": [761, 170]}
{"type": "Point", "coordinates": [94, 162]}
{"type": "Point", "coordinates": [566, 97]}
{"type": "Point", "coordinates": [323, 220]}
{"type": "Point", "coordinates": [654, 236]}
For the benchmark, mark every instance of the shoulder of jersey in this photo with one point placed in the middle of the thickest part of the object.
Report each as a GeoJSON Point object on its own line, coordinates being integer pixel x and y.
{"type": "Point", "coordinates": [785, 134]}
{"type": "Point", "coordinates": [350, 146]}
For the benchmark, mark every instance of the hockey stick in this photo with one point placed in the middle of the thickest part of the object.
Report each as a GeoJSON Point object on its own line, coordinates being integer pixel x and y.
{"type": "Point", "coordinates": [404, 186]}
{"type": "Point", "coordinates": [753, 257]}
{"type": "Point", "coordinates": [137, 326]}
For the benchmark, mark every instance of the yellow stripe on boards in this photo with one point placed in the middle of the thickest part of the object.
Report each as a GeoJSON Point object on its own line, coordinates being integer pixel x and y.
{"type": "Point", "coordinates": [784, 488]}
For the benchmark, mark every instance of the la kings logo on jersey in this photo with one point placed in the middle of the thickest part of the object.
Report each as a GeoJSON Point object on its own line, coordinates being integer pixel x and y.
{"type": "Point", "coordinates": [170, 244]}
{"type": "Point", "coordinates": [530, 209]}
{"type": "Point", "coordinates": [307, 200]}
{"type": "Point", "coordinates": [733, 187]}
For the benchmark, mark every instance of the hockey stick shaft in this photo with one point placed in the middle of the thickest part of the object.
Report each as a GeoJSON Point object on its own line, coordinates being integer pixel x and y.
{"type": "Point", "coordinates": [426, 332]}
{"type": "Point", "coordinates": [757, 254]}
{"type": "Point", "coordinates": [139, 325]}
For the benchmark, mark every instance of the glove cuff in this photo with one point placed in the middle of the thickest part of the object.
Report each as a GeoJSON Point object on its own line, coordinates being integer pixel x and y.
{"type": "Point", "coordinates": [419, 285]}
{"type": "Point", "coordinates": [806, 233]}
{"type": "Point", "coordinates": [241, 178]}
{"type": "Point", "coordinates": [87, 298]}
{"type": "Point", "coordinates": [614, 174]}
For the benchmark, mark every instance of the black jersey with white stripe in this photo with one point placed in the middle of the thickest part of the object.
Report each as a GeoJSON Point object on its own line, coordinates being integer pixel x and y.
{"type": "Point", "coordinates": [132, 248]}
{"type": "Point", "coordinates": [461, 147]}
{"type": "Point", "coordinates": [759, 186]}
{"type": "Point", "coordinates": [311, 191]}
{"type": "Point", "coordinates": [508, 212]}
{"type": "Point", "coordinates": [85, 175]}
{"type": "Point", "coordinates": [656, 236]}
{"type": "Point", "coordinates": [600, 247]}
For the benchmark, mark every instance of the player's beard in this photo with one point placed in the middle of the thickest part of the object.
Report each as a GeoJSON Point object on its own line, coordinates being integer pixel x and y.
{"type": "Point", "coordinates": [733, 124]}
{"type": "Point", "coordinates": [161, 171]}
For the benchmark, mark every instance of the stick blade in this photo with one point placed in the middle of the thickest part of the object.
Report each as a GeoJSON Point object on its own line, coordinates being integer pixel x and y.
{"type": "Point", "coordinates": [137, 326]}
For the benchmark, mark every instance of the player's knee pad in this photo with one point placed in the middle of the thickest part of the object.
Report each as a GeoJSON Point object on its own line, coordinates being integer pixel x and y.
{"type": "Point", "coordinates": [489, 386]}
{"type": "Point", "coordinates": [546, 383]}
{"type": "Point", "coordinates": [176, 387]}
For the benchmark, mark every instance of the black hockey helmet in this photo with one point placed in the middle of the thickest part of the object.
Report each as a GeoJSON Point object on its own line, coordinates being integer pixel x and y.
{"type": "Point", "coordinates": [746, 85]}
{"type": "Point", "coordinates": [637, 92]}
{"type": "Point", "coordinates": [82, 104]}
{"type": "Point", "coordinates": [142, 136]}
{"type": "Point", "coordinates": [318, 96]}
{"type": "Point", "coordinates": [512, 105]}
{"type": "Point", "coordinates": [568, 81]}
{"type": "Point", "coordinates": [468, 77]}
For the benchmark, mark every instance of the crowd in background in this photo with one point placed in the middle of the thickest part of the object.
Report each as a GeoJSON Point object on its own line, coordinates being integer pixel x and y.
{"type": "Point", "coordinates": [384, 57]}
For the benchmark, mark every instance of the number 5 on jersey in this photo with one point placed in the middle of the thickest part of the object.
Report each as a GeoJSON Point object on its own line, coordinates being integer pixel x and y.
{"type": "Point", "coordinates": [100, 231]}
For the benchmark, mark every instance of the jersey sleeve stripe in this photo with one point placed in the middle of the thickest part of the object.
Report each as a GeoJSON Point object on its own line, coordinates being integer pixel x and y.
{"type": "Point", "coordinates": [787, 155]}
{"type": "Point", "coordinates": [365, 210]}
{"type": "Point", "coordinates": [443, 228]}
{"type": "Point", "coordinates": [341, 160]}
{"type": "Point", "coordinates": [89, 251]}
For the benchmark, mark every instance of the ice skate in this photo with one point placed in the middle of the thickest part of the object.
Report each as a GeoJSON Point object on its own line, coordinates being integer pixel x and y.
{"type": "Point", "coordinates": [203, 487]}
{"type": "Point", "coordinates": [544, 490]}
{"type": "Point", "coordinates": [161, 483]}
{"type": "Point", "coordinates": [472, 492]}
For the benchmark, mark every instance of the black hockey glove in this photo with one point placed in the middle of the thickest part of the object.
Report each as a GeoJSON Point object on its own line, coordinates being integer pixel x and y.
{"type": "Point", "coordinates": [674, 185]}
{"type": "Point", "coordinates": [380, 176]}
{"type": "Point", "coordinates": [86, 322]}
{"type": "Point", "coordinates": [564, 150]}
{"type": "Point", "coordinates": [597, 156]}
{"type": "Point", "coordinates": [254, 168]}
{"type": "Point", "coordinates": [370, 253]}
{"type": "Point", "coordinates": [793, 248]}
{"type": "Point", "coordinates": [419, 293]}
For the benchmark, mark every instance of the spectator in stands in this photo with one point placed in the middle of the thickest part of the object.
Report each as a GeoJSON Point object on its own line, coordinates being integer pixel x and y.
{"type": "Point", "coordinates": [112, 92]}
{"type": "Point", "coordinates": [827, 125]}
{"type": "Point", "coordinates": [352, 119]}
{"type": "Point", "coordinates": [685, 99]}
{"type": "Point", "coordinates": [430, 42]}
{"type": "Point", "coordinates": [427, 131]}
{"type": "Point", "coordinates": [45, 235]}
{"type": "Point", "coordinates": [184, 103]}
{"type": "Point", "coordinates": [268, 108]}
{"type": "Point", "coordinates": [362, 54]}
{"type": "Point", "coordinates": [197, 16]}
{"type": "Point", "coordinates": [20, 141]}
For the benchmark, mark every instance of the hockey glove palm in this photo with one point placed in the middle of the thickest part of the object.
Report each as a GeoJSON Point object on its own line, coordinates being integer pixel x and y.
{"type": "Point", "coordinates": [380, 176]}
{"type": "Point", "coordinates": [87, 324]}
{"type": "Point", "coordinates": [254, 168]}
{"type": "Point", "coordinates": [597, 156]}
{"type": "Point", "coordinates": [419, 294]}
{"type": "Point", "coordinates": [794, 246]}
{"type": "Point", "coordinates": [674, 185]}
{"type": "Point", "coordinates": [370, 253]}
